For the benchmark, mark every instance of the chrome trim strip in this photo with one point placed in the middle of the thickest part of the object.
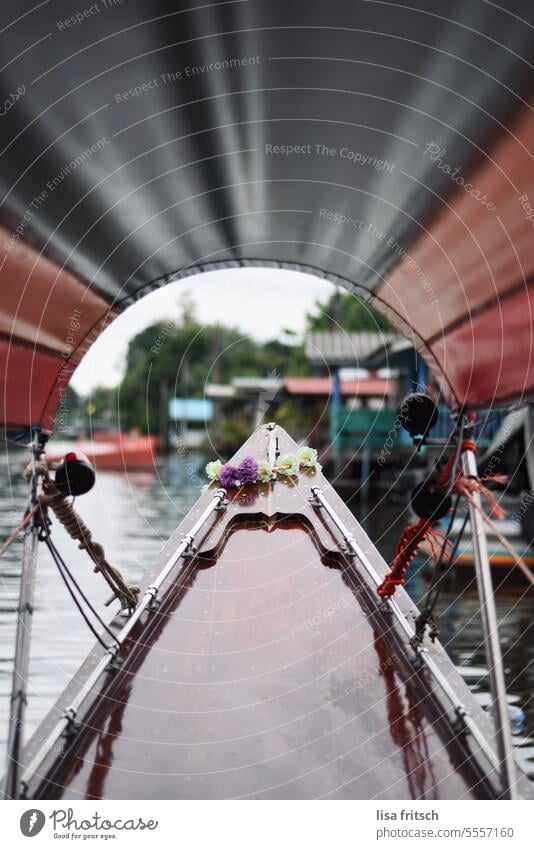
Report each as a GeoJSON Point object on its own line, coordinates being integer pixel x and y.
{"type": "Point", "coordinates": [319, 501]}
{"type": "Point", "coordinates": [70, 713]}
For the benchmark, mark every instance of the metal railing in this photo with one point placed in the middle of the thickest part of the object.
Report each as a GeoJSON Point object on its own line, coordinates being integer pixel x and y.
{"type": "Point", "coordinates": [485, 427]}
{"type": "Point", "coordinates": [184, 549]}
{"type": "Point", "coordinates": [318, 500]}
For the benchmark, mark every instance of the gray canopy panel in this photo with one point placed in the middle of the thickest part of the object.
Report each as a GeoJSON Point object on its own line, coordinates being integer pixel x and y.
{"type": "Point", "coordinates": [141, 141]}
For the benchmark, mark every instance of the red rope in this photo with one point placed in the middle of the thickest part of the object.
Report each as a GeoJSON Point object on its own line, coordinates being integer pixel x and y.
{"type": "Point", "coordinates": [414, 535]}
{"type": "Point", "coordinates": [409, 543]}
{"type": "Point", "coordinates": [469, 486]}
{"type": "Point", "coordinates": [445, 473]}
{"type": "Point", "coordinates": [411, 539]}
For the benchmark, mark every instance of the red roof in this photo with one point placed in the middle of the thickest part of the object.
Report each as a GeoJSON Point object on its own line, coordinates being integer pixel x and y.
{"type": "Point", "coordinates": [366, 386]}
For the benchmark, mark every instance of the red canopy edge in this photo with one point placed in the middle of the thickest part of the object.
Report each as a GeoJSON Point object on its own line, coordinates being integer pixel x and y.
{"type": "Point", "coordinates": [465, 288]}
{"type": "Point", "coordinates": [48, 320]}
{"type": "Point", "coordinates": [323, 386]}
{"type": "Point", "coordinates": [468, 353]}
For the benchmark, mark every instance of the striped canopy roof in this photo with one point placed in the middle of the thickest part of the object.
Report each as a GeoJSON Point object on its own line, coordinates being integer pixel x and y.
{"type": "Point", "coordinates": [388, 146]}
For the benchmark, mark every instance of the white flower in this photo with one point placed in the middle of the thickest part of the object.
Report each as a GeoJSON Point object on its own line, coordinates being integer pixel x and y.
{"type": "Point", "coordinates": [264, 471]}
{"type": "Point", "coordinates": [307, 457]}
{"type": "Point", "coordinates": [287, 464]}
{"type": "Point", "coordinates": [213, 470]}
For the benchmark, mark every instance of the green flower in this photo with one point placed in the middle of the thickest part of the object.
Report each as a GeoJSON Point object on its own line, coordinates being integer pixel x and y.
{"type": "Point", "coordinates": [213, 470]}
{"type": "Point", "coordinates": [288, 464]}
{"type": "Point", "coordinates": [264, 471]}
{"type": "Point", "coordinates": [307, 457]}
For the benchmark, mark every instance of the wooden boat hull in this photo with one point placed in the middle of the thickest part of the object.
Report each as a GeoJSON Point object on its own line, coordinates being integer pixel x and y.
{"type": "Point", "coordinates": [498, 560]}
{"type": "Point", "coordinates": [269, 670]}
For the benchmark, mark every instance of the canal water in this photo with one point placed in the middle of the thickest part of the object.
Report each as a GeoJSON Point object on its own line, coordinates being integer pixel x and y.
{"type": "Point", "coordinates": [133, 515]}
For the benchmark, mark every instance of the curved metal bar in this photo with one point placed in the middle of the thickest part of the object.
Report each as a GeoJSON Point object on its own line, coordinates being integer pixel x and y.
{"type": "Point", "coordinates": [460, 710]}
{"type": "Point", "coordinates": [185, 548]}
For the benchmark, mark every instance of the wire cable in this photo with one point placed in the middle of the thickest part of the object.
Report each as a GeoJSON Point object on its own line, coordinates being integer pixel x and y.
{"type": "Point", "coordinates": [73, 596]}
{"type": "Point", "coordinates": [426, 617]}
{"type": "Point", "coordinates": [67, 576]}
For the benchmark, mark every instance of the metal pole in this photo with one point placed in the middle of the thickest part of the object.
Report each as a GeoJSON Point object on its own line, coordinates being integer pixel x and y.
{"type": "Point", "coordinates": [491, 635]}
{"type": "Point", "coordinates": [22, 642]}
{"type": "Point", "coordinates": [335, 408]}
{"type": "Point", "coordinates": [365, 468]}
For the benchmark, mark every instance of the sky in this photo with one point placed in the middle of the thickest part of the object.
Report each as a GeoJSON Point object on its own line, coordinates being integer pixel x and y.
{"type": "Point", "coordinates": [259, 301]}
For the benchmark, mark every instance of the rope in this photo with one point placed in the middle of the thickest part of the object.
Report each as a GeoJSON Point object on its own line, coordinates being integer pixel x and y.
{"type": "Point", "coordinates": [78, 530]}
{"type": "Point", "coordinates": [504, 542]}
{"type": "Point", "coordinates": [467, 487]}
{"type": "Point", "coordinates": [411, 539]}
{"type": "Point", "coordinates": [426, 617]}
{"type": "Point", "coordinates": [407, 548]}
{"type": "Point", "coordinates": [449, 467]}
{"type": "Point", "coordinates": [414, 535]}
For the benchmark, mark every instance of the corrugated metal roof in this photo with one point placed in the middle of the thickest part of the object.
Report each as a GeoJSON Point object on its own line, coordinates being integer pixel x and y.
{"type": "Point", "coordinates": [336, 349]}
{"type": "Point", "coordinates": [219, 390]}
{"type": "Point", "coordinates": [399, 353]}
{"type": "Point", "coordinates": [323, 386]}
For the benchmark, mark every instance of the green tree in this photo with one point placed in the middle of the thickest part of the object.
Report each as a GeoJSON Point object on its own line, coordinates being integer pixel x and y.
{"type": "Point", "coordinates": [347, 312]}
{"type": "Point", "coordinates": [100, 407]}
{"type": "Point", "coordinates": [182, 358]}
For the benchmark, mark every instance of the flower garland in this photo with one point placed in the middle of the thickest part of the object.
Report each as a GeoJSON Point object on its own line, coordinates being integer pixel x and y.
{"type": "Point", "coordinates": [250, 471]}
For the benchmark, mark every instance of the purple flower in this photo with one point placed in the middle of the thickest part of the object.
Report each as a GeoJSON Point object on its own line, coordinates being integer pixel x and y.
{"type": "Point", "coordinates": [248, 470]}
{"type": "Point", "coordinates": [229, 475]}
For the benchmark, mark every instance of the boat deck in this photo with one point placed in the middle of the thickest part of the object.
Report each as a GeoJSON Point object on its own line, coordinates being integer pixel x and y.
{"type": "Point", "coordinates": [265, 678]}
{"type": "Point", "coordinates": [270, 669]}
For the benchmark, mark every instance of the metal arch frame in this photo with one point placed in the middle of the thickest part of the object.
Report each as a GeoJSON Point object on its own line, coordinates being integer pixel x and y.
{"type": "Point", "coordinates": [506, 768]}
{"type": "Point", "coordinates": [185, 548]}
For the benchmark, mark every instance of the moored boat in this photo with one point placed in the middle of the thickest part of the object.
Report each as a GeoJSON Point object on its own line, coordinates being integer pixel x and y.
{"type": "Point", "coordinates": [116, 451]}
{"type": "Point", "coordinates": [499, 557]}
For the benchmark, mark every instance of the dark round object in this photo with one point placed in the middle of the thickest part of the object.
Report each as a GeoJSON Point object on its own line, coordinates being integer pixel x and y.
{"type": "Point", "coordinates": [75, 474]}
{"type": "Point", "coordinates": [430, 501]}
{"type": "Point", "coordinates": [418, 413]}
